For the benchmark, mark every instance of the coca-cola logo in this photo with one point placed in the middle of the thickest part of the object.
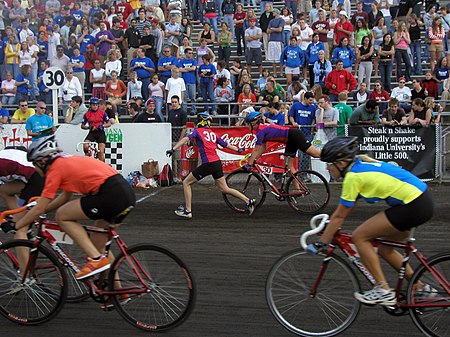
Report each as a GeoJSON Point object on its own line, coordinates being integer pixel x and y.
{"type": "Point", "coordinates": [190, 152]}
{"type": "Point", "coordinates": [247, 141]}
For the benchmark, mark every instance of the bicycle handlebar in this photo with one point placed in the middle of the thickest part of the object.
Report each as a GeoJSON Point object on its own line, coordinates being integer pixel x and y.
{"type": "Point", "coordinates": [31, 204]}
{"type": "Point", "coordinates": [315, 228]}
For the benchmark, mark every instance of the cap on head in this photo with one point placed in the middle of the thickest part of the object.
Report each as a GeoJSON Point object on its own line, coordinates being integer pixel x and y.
{"type": "Point", "coordinates": [344, 13]}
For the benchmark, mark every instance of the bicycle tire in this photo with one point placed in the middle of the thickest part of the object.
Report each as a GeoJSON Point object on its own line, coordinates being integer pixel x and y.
{"type": "Point", "coordinates": [171, 291]}
{"type": "Point", "coordinates": [432, 321]}
{"type": "Point", "coordinates": [315, 198]}
{"type": "Point", "coordinates": [250, 184]}
{"type": "Point", "coordinates": [288, 293]}
{"type": "Point", "coordinates": [42, 296]}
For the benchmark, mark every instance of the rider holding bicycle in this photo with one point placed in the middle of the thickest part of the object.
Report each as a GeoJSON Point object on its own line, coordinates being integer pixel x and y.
{"type": "Point", "coordinates": [207, 141]}
{"type": "Point", "coordinates": [98, 182]}
{"type": "Point", "coordinates": [410, 202]}
{"type": "Point", "coordinates": [293, 138]}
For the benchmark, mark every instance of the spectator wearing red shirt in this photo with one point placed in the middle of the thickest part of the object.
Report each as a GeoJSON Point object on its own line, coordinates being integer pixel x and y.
{"type": "Point", "coordinates": [342, 28]}
{"type": "Point", "coordinates": [339, 80]}
{"type": "Point", "coordinates": [359, 14]}
{"type": "Point", "coordinates": [380, 95]}
{"type": "Point", "coordinates": [90, 55]}
{"type": "Point", "coordinates": [430, 85]}
{"type": "Point", "coordinates": [126, 10]}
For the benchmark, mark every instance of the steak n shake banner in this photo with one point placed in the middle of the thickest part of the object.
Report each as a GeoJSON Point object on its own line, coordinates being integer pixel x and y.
{"type": "Point", "coordinates": [242, 138]}
{"type": "Point", "coordinates": [415, 149]}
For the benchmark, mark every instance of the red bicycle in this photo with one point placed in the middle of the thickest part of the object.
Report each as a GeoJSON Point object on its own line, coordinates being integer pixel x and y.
{"type": "Point", "coordinates": [322, 286]}
{"type": "Point", "coordinates": [150, 287]}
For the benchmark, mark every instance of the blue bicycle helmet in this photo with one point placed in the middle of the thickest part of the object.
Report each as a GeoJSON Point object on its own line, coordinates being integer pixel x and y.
{"type": "Point", "coordinates": [254, 116]}
{"type": "Point", "coordinates": [94, 100]}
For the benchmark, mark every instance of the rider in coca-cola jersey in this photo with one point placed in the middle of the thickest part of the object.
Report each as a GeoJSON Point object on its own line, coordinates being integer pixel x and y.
{"type": "Point", "coordinates": [207, 141]}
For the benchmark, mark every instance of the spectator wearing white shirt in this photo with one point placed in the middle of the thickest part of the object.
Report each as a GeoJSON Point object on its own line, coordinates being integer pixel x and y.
{"type": "Point", "coordinates": [9, 89]}
{"type": "Point", "coordinates": [403, 94]}
{"type": "Point", "coordinates": [134, 87]}
{"type": "Point", "coordinates": [25, 31]}
{"type": "Point", "coordinates": [175, 86]}
{"type": "Point", "coordinates": [113, 64]}
{"type": "Point", "coordinates": [70, 87]}
{"type": "Point", "coordinates": [53, 41]}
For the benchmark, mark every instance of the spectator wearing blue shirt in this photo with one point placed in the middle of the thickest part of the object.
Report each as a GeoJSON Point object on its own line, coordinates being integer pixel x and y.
{"type": "Point", "coordinates": [4, 114]}
{"type": "Point", "coordinates": [302, 115]}
{"type": "Point", "coordinates": [60, 19]}
{"type": "Point", "coordinates": [344, 53]}
{"type": "Point", "coordinates": [274, 116]}
{"type": "Point", "coordinates": [275, 31]}
{"type": "Point", "coordinates": [207, 72]}
{"type": "Point", "coordinates": [188, 68]}
{"type": "Point", "coordinates": [85, 39]}
{"type": "Point", "coordinates": [94, 9]}
{"type": "Point", "coordinates": [322, 67]}
{"type": "Point", "coordinates": [43, 47]}
{"type": "Point", "coordinates": [23, 83]}
{"type": "Point", "coordinates": [144, 68]}
{"type": "Point", "coordinates": [312, 55]}
{"type": "Point", "coordinates": [77, 62]}
{"type": "Point", "coordinates": [292, 58]}
{"type": "Point", "coordinates": [45, 94]}
{"type": "Point", "coordinates": [166, 63]}
{"type": "Point", "coordinates": [77, 12]}
{"type": "Point", "coordinates": [38, 125]}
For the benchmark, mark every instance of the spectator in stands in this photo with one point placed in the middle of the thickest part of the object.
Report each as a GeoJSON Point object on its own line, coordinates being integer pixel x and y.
{"type": "Point", "coordinates": [149, 115]}
{"type": "Point", "coordinates": [345, 53]}
{"type": "Point", "coordinates": [85, 39]}
{"type": "Point", "coordinates": [322, 27]}
{"type": "Point", "coordinates": [264, 20]}
{"type": "Point", "coordinates": [415, 27]}
{"type": "Point", "coordinates": [37, 123]}
{"type": "Point", "coordinates": [134, 87]}
{"type": "Point", "coordinates": [435, 109]}
{"type": "Point", "coordinates": [339, 80]}
{"type": "Point", "coordinates": [380, 95]}
{"type": "Point", "coordinates": [175, 86]}
{"type": "Point", "coordinates": [52, 6]}
{"type": "Point", "coordinates": [362, 94]}
{"type": "Point", "coordinates": [103, 41]}
{"type": "Point", "coordinates": [268, 95]}
{"type": "Point", "coordinates": [247, 97]}
{"type": "Point", "coordinates": [394, 115]}
{"type": "Point", "coordinates": [115, 90]}
{"type": "Point", "coordinates": [43, 46]}
{"type": "Point", "coordinates": [186, 43]}
{"type": "Point", "coordinates": [207, 72]}
{"type": "Point", "coordinates": [312, 55]}
{"type": "Point", "coordinates": [132, 39]}
{"type": "Point", "coordinates": [359, 14]}
{"type": "Point", "coordinates": [228, 9]}
{"type": "Point", "coordinates": [238, 21]}
{"type": "Point", "coordinates": [275, 31]}
{"type": "Point", "coordinates": [366, 114]}
{"type": "Point", "coordinates": [23, 83]}
{"type": "Point", "coordinates": [133, 111]}
{"type": "Point", "coordinates": [112, 63]}
{"type": "Point", "coordinates": [25, 31]}
{"type": "Point", "coordinates": [177, 116]}
{"type": "Point", "coordinates": [166, 63]}
{"type": "Point", "coordinates": [144, 68]}
{"type": "Point", "coordinates": [224, 41]}
{"type": "Point", "coordinates": [342, 28]}
{"type": "Point", "coordinates": [322, 67]}
{"type": "Point", "coordinates": [119, 35]}
{"type": "Point", "coordinates": [97, 78]}
{"type": "Point", "coordinates": [126, 9]}
{"type": "Point", "coordinates": [419, 115]}
{"type": "Point", "coordinates": [4, 114]}
{"type": "Point", "coordinates": [386, 52]}
{"type": "Point", "coordinates": [436, 34]}
{"type": "Point", "coordinates": [202, 50]}
{"type": "Point", "coordinates": [196, 9]}
{"type": "Point", "coordinates": [211, 17]}
{"type": "Point", "coordinates": [208, 35]}
{"type": "Point", "coordinates": [223, 94]}
{"type": "Point", "coordinates": [345, 112]}
{"type": "Point", "coordinates": [291, 59]}
{"type": "Point", "coordinates": [16, 14]}
{"type": "Point", "coordinates": [45, 94]}
{"type": "Point", "coordinates": [188, 68]}
{"type": "Point", "coordinates": [77, 62]}
{"type": "Point", "coordinates": [430, 84]}
{"type": "Point", "coordinates": [332, 20]}
{"type": "Point", "coordinates": [22, 113]}
{"type": "Point", "coordinates": [403, 94]}
{"type": "Point", "coordinates": [328, 115]}
{"type": "Point", "coordinates": [374, 14]}
{"type": "Point", "coordinates": [75, 112]}
{"type": "Point", "coordinates": [53, 43]}
{"type": "Point", "coordinates": [157, 92]}
{"type": "Point", "coordinates": [70, 87]}
{"type": "Point", "coordinates": [364, 56]}
{"type": "Point", "coordinates": [172, 32]}
{"type": "Point", "coordinates": [286, 15]}
{"type": "Point", "coordinates": [253, 53]}
{"type": "Point", "coordinates": [60, 60]}
{"type": "Point", "coordinates": [9, 89]}
{"type": "Point", "coordinates": [11, 55]}
{"type": "Point", "coordinates": [441, 73]}
{"type": "Point", "coordinates": [378, 31]}
{"type": "Point", "coordinates": [273, 115]}
{"type": "Point", "coordinates": [186, 29]}
{"type": "Point", "coordinates": [158, 34]}
{"type": "Point", "coordinates": [244, 79]}
{"type": "Point", "coordinates": [401, 42]}
{"type": "Point", "coordinates": [417, 90]}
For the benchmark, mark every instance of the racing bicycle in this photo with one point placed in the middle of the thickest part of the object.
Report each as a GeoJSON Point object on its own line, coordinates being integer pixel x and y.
{"type": "Point", "coordinates": [301, 285]}
{"type": "Point", "coordinates": [306, 191]}
{"type": "Point", "coordinates": [149, 286]}
{"type": "Point", "coordinates": [92, 148]}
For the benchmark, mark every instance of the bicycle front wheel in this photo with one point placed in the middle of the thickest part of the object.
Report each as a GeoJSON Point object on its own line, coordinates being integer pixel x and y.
{"type": "Point", "coordinates": [158, 290]}
{"type": "Point", "coordinates": [426, 291]}
{"type": "Point", "coordinates": [310, 192]}
{"type": "Point", "coordinates": [42, 294]}
{"type": "Point", "coordinates": [289, 293]}
{"type": "Point", "coordinates": [249, 184]}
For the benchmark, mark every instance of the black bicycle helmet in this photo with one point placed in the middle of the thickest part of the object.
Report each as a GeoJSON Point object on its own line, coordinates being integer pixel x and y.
{"type": "Point", "coordinates": [339, 148]}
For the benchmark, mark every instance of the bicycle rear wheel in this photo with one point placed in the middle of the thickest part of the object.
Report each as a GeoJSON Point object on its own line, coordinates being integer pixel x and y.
{"type": "Point", "coordinates": [249, 184]}
{"type": "Point", "coordinates": [41, 296]}
{"type": "Point", "coordinates": [165, 296]}
{"type": "Point", "coordinates": [433, 319]}
{"type": "Point", "coordinates": [329, 311]}
{"type": "Point", "coordinates": [313, 193]}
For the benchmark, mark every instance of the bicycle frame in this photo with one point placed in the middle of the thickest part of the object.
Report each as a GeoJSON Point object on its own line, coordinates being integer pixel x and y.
{"type": "Point", "coordinates": [92, 148]}
{"type": "Point", "coordinates": [343, 240]}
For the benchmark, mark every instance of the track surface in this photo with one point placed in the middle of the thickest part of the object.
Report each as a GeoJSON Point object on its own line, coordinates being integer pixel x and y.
{"type": "Point", "coordinates": [230, 255]}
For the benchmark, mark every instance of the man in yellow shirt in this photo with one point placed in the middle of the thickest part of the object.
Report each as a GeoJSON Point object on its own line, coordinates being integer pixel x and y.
{"type": "Point", "coordinates": [23, 113]}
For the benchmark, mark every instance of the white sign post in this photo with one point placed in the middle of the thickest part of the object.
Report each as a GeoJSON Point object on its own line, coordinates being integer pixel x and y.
{"type": "Point", "coordinates": [53, 79]}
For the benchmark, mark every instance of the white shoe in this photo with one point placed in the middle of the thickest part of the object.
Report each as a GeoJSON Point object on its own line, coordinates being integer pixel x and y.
{"type": "Point", "coordinates": [184, 213]}
{"type": "Point", "coordinates": [377, 295]}
{"type": "Point", "coordinates": [426, 291]}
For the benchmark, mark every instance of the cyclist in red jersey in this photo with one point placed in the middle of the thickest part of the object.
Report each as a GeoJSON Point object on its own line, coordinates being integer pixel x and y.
{"type": "Point", "coordinates": [95, 120]}
{"type": "Point", "coordinates": [207, 141]}
{"type": "Point", "coordinates": [293, 138]}
{"type": "Point", "coordinates": [99, 184]}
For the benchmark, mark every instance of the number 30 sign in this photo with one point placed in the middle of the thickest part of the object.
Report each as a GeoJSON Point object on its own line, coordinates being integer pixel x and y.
{"type": "Point", "coordinates": [53, 78]}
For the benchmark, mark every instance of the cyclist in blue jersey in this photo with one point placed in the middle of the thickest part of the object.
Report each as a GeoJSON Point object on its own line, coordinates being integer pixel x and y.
{"type": "Point", "coordinates": [207, 142]}
{"type": "Point", "coordinates": [410, 201]}
{"type": "Point", "coordinates": [293, 138]}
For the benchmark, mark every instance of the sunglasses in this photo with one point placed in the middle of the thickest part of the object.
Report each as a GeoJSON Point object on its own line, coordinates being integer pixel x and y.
{"type": "Point", "coordinates": [402, 82]}
{"type": "Point", "coordinates": [24, 105]}
{"type": "Point", "coordinates": [42, 107]}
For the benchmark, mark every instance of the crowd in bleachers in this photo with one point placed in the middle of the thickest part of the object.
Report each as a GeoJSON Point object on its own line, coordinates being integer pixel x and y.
{"type": "Point", "coordinates": [137, 57]}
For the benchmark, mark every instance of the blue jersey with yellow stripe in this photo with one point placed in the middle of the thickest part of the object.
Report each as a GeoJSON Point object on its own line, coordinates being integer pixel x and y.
{"type": "Point", "coordinates": [376, 181]}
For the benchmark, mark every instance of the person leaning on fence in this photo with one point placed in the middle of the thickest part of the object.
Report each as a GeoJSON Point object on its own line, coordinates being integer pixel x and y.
{"type": "Point", "coordinates": [393, 115]}
{"type": "Point", "coordinates": [75, 112]}
{"type": "Point", "coordinates": [207, 142]}
{"type": "Point", "coordinates": [366, 114]}
{"type": "Point", "coordinates": [149, 115]}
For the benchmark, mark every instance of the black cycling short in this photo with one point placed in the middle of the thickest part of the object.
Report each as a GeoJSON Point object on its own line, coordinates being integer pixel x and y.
{"type": "Point", "coordinates": [33, 188]}
{"type": "Point", "coordinates": [413, 214]}
{"type": "Point", "coordinates": [112, 203]}
{"type": "Point", "coordinates": [296, 141]}
{"type": "Point", "coordinates": [204, 170]}
{"type": "Point", "coordinates": [97, 136]}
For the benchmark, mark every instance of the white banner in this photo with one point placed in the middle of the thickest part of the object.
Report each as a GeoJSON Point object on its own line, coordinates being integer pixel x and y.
{"type": "Point", "coordinates": [128, 144]}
